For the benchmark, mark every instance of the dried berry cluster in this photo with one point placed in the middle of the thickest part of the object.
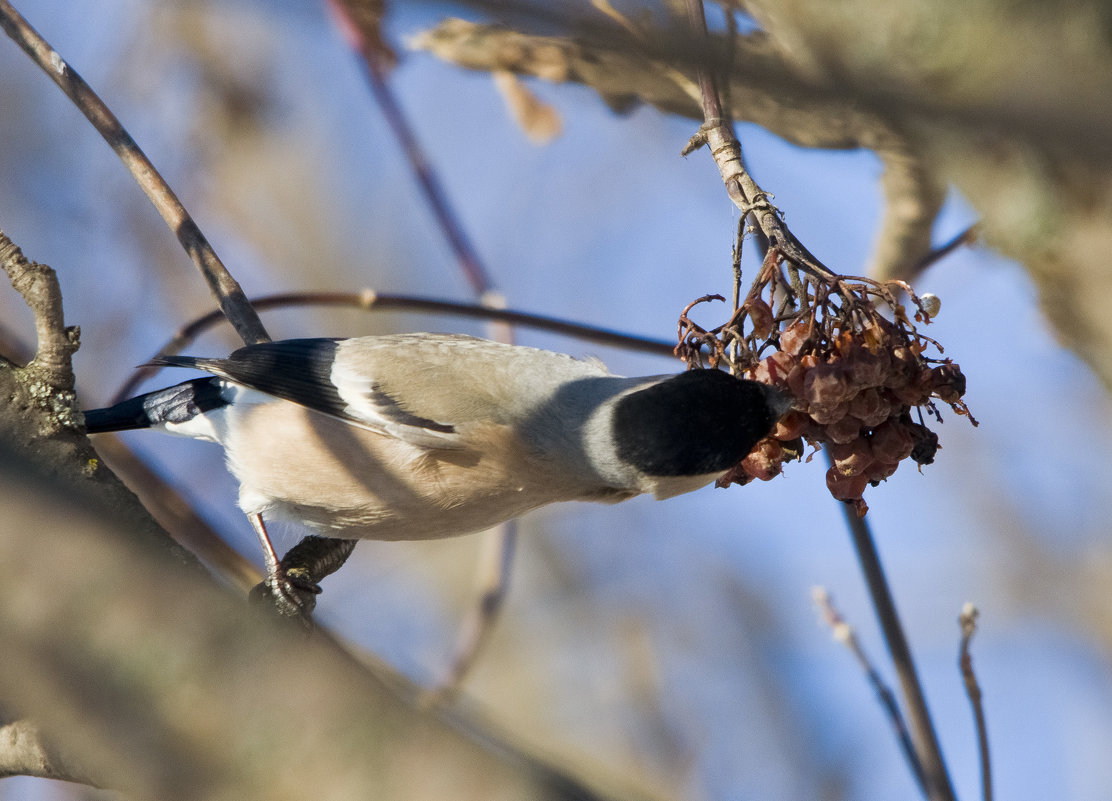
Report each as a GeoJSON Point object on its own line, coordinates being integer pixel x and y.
{"type": "Point", "coordinates": [860, 381]}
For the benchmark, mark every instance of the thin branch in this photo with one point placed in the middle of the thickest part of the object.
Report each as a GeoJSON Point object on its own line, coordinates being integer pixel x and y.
{"type": "Point", "coordinates": [938, 787]}
{"type": "Point", "coordinates": [495, 567]}
{"type": "Point", "coordinates": [499, 543]}
{"type": "Point", "coordinates": [177, 515]}
{"type": "Point", "coordinates": [843, 632]}
{"type": "Point", "coordinates": [718, 134]}
{"type": "Point", "coordinates": [913, 198]}
{"type": "Point", "coordinates": [966, 237]}
{"type": "Point", "coordinates": [373, 301]}
{"type": "Point", "coordinates": [372, 60]}
{"type": "Point", "coordinates": [228, 292]}
{"type": "Point", "coordinates": [37, 284]}
{"type": "Point", "coordinates": [968, 622]}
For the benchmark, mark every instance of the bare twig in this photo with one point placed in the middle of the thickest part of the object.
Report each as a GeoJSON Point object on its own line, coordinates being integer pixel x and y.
{"type": "Point", "coordinates": [913, 197]}
{"type": "Point", "coordinates": [371, 57]}
{"type": "Point", "coordinates": [374, 301]}
{"type": "Point", "coordinates": [499, 543]}
{"type": "Point", "coordinates": [968, 622]}
{"type": "Point", "coordinates": [937, 779]}
{"type": "Point", "coordinates": [966, 237]}
{"type": "Point", "coordinates": [843, 632]}
{"type": "Point", "coordinates": [228, 293]}
{"type": "Point", "coordinates": [174, 513]}
{"type": "Point", "coordinates": [717, 133]}
{"type": "Point", "coordinates": [38, 286]}
{"type": "Point", "coordinates": [493, 579]}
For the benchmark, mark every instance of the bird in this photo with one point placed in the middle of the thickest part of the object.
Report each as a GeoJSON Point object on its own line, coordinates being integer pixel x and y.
{"type": "Point", "coordinates": [424, 436]}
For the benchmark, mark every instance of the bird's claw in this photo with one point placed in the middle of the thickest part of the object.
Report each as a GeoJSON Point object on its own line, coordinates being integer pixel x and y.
{"type": "Point", "coordinates": [290, 593]}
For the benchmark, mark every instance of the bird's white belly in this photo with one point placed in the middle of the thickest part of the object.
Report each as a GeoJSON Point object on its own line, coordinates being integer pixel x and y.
{"type": "Point", "coordinates": [351, 483]}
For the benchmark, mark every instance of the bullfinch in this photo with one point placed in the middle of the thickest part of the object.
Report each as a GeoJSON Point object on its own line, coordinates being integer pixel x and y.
{"type": "Point", "coordinates": [420, 436]}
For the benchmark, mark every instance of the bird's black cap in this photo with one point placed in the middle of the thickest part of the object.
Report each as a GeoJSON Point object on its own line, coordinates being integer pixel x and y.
{"type": "Point", "coordinates": [695, 423]}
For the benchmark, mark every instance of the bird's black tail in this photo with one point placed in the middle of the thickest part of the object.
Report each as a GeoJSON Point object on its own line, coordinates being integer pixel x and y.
{"type": "Point", "coordinates": [176, 404]}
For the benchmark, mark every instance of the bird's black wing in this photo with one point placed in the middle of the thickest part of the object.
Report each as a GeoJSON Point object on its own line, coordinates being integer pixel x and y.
{"type": "Point", "coordinates": [301, 371]}
{"type": "Point", "coordinates": [297, 370]}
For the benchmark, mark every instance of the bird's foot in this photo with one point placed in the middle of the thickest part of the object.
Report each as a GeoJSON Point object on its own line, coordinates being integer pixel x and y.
{"type": "Point", "coordinates": [289, 592]}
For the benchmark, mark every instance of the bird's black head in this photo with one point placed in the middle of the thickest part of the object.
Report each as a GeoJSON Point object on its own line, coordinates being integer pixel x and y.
{"type": "Point", "coordinates": [695, 423]}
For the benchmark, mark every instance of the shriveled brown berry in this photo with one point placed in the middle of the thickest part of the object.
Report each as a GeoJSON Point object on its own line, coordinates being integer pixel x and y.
{"type": "Point", "coordinates": [892, 441]}
{"type": "Point", "coordinates": [910, 395]}
{"type": "Point", "coordinates": [926, 444]}
{"type": "Point", "coordinates": [870, 407]}
{"type": "Point", "coordinates": [797, 378]}
{"type": "Point", "coordinates": [904, 367]}
{"type": "Point", "coordinates": [790, 426]}
{"type": "Point", "coordinates": [852, 458]}
{"type": "Point", "coordinates": [845, 488]}
{"type": "Point", "coordinates": [947, 382]}
{"type": "Point", "coordinates": [774, 369]}
{"type": "Point", "coordinates": [825, 415]}
{"type": "Point", "coordinates": [813, 432]}
{"type": "Point", "coordinates": [827, 385]}
{"type": "Point", "coordinates": [760, 315]}
{"type": "Point", "coordinates": [844, 430]}
{"type": "Point", "coordinates": [735, 475]}
{"type": "Point", "coordinates": [867, 369]}
{"type": "Point", "coordinates": [879, 471]}
{"type": "Point", "coordinates": [793, 338]}
{"type": "Point", "coordinates": [765, 461]}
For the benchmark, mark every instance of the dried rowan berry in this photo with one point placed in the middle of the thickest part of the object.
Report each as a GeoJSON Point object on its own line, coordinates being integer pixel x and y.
{"type": "Point", "coordinates": [765, 461]}
{"type": "Point", "coordinates": [926, 444]}
{"type": "Point", "coordinates": [868, 369]}
{"type": "Point", "coordinates": [904, 367]}
{"type": "Point", "coordinates": [794, 337]}
{"type": "Point", "coordinates": [878, 471]}
{"type": "Point", "coordinates": [909, 395]}
{"type": "Point", "coordinates": [826, 415]}
{"type": "Point", "coordinates": [790, 425]}
{"type": "Point", "coordinates": [892, 441]}
{"type": "Point", "coordinates": [735, 475]}
{"type": "Point", "coordinates": [947, 382]}
{"type": "Point", "coordinates": [870, 407]}
{"type": "Point", "coordinates": [845, 430]}
{"type": "Point", "coordinates": [774, 369]}
{"type": "Point", "coordinates": [845, 488]}
{"type": "Point", "coordinates": [798, 375]}
{"type": "Point", "coordinates": [826, 385]}
{"type": "Point", "coordinates": [852, 458]}
{"type": "Point", "coordinates": [760, 315]}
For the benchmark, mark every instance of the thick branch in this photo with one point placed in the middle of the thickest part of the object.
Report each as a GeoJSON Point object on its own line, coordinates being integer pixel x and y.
{"type": "Point", "coordinates": [24, 752]}
{"type": "Point", "coordinates": [168, 687]}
